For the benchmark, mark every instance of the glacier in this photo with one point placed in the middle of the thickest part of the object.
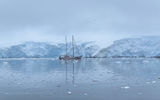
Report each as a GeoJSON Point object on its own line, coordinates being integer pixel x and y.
{"type": "Point", "coordinates": [147, 46]}
{"type": "Point", "coordinates": [47, 50]}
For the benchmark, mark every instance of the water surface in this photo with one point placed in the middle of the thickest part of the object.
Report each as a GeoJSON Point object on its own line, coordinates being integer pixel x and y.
{"type": "Point", "coordinates": [88, 79]}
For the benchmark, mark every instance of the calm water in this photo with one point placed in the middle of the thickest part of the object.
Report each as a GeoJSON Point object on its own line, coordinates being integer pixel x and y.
{"type": "Point", "coordinates": [89, 79]}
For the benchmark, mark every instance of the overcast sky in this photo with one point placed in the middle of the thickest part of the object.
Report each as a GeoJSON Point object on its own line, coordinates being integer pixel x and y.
{"type": "Point", "coordinates": [89, 20]}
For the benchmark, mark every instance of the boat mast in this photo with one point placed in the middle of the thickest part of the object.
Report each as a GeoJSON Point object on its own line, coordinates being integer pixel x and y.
{"type": "Point", "coordinates": [73, 45]}
{"type": "Point", "coordinates": [66, 44]}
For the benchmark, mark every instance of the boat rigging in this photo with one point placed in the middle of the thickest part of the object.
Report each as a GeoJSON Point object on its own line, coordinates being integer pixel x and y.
{"type": "Point", "coordinates": [73, 57]}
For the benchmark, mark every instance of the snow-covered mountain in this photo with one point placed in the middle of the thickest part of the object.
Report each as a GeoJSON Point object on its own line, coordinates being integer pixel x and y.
{"type": "Point", "coordinates": [45, 50]}
{"type": "Point", "coordinates": [133, 47]}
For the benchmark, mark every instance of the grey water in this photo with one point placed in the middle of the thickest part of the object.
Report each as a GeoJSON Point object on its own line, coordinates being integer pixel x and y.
{"type": "Point", "coordinates": [88, 79]}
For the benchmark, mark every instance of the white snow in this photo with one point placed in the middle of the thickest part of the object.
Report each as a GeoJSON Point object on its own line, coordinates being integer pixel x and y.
{"type": "Point", "coordinates": [133, 47]}
{"type": "Point", "coordinates": [46, 50]}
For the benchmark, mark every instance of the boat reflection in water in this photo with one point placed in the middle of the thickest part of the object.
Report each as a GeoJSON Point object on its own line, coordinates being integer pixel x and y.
{"type": "Point", "coordinates": [73, 67]}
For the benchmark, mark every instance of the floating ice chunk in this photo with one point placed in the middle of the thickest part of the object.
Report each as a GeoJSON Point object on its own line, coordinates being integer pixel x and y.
{"type": "Point", "coordinates": [108, 72]}
{"type": "Point", "coordinates": [19, 83]}
{"type": "Point", "coordinates": [5, 62]}
{"type": "Point", "coordinates": [118, 62]}
{"type": "Point", "coordinates": [148, 82]}
{"type": "Point", "coordinates": [153, 82]}
{"type": "Point", "coordinates": [145, 61]}
{"type": "Point", "coordinates": [75, 61]}
{"type": "Point", "coordinates": [69, 92]}
{"type": "Point", "coordinates": [85, 94]}
{"type": "Point", "coordinates": [125, 87]}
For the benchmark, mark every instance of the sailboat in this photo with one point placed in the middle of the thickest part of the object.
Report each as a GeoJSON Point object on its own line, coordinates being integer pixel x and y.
{"type": "Point", "coordinates": [73, 57]}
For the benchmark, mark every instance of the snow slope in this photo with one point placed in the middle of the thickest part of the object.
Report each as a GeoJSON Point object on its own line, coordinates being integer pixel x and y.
{"type": "Point", "coordinates": [46, 50]}
{"type": "Point", "coordinates": [133, 47]}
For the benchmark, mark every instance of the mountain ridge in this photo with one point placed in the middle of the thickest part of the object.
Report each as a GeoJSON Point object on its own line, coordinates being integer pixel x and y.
{"type": "Point", "coordinates": [133, 47]}
{"type": "Point", "coordinates": [32, 49]}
